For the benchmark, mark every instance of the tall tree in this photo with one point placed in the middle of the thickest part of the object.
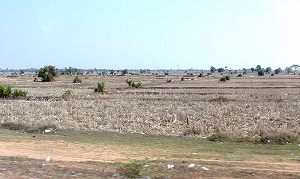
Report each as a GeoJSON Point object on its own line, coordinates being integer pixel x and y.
{"type": "Point", "coordinates": [295, 67]}
{"type": "Point", "coordinates": [258, 68]}
{"type": "Point", "coordinates": [268, 69]}
{"type": "Point", "coordinates": [212, 69]}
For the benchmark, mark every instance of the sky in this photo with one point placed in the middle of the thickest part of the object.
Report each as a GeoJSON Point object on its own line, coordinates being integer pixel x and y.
{"type": "Point", "coordinates": [149, 34]}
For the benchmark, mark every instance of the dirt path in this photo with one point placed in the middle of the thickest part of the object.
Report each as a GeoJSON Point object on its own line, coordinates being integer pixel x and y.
{"type": "Point", "coordinates": [64, 152]}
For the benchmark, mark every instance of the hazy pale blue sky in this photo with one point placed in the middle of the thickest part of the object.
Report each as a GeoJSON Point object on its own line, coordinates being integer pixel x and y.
{"type": "Point", "coordinates": [149, 33]}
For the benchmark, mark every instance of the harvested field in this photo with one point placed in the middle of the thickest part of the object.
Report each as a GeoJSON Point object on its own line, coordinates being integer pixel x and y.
{"type": "Point", "coordinates": [246, 108]}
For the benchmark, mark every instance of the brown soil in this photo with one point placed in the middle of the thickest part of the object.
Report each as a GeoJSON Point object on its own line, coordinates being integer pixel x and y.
{"type": "Point", "coordinates": [71, 160]}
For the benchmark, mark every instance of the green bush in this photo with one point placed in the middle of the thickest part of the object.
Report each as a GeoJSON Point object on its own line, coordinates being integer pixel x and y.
{"type": "Point", "coordinates": [5, 91]}
{"type": "Point", "coordinates": [129, 82]}
{"type": "Point", "coordinates": [100, 88]}
{"type": "Point", "coordinates": [77, 80]}
{"type": "Point", "coordinates": [67, 94]}
{"type": "Point", "coordinates": [134, 84]}
{"type": "Point", "coordinates": [19, 92]}
{"type": "Point", "coordinates": [227, 77]}
{"type": "Point", "coordinates": [133, 169]}
{"type": "Point", "coordinates": [222, 79]}
{"type": "Point", "coordinates": [47, 73]}
{"type": "Point", "coordinates": [239, 75]}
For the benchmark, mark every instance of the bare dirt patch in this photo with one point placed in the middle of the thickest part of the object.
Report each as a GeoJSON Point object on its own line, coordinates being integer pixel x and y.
{"type": "Point", "coordinates": [64, 151]}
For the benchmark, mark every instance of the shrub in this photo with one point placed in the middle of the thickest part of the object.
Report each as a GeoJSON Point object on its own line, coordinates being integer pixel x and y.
{"type": "Point", "coordinates": [239, 75]}
{"type": "Point", "coordinates": [222, 79]}
{"type": "Point", "coordinates": [136, 84]}
{"type": "Point", "coordinates": [200, 75]}
{"type": "Point", "coordinates": [133, 169]}
{"type": "Point", "coordinates": [218, 137]}
{"type": "Point", "coordinates": [29, 129]}
{"type": "Point", "coordinates": [47, 73]}
{"type": "Point", "coordinates": [19, 92]}
{"type": "Point", "coordinates": [279, 138]}
{"type": "Point", "coordinates": [67, 94]}
{"type": "Point", "coordinates": [5, 91]}
{"type": "Point", "coordinates": [129, 82]}
{"type": "Point", "coordinates": [169, 80]}
{"type": "Point", "coordinates": [77, 80]}
{"type": "Point", "coordinates": [182, 79]}
{"type": "Point", "coordinates": [100, 88]}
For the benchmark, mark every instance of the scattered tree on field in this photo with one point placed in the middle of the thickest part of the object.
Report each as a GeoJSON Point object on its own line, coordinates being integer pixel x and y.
{"type": "Point", "coordinates": [277, 70]}
{"type": "Point", "coordinates": [212, 69]}
{"type": "Point", "coordinates": [288, 70]}
{"type": "Point", "coordinates": [47, 73]}
{"type": "Point", "coordinates": [258, 68]}
{"type": "Point", "coordinates": [220, 70]}
{"type": "Point", "coordinates": [268, 70]}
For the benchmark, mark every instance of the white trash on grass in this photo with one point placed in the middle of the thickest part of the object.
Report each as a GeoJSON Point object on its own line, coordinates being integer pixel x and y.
{"type": "Point", "coordinates": [204, 168]}
{"type": "Point", "coordinates": [169, 167]}
{"type": "Point", "coordinates": [48, 158]}
{"type": "Point", "coordinates": [191, 165]}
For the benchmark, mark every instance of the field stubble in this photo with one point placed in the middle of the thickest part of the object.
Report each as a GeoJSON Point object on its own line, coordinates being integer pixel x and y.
{"type": "Point", "coordinates": [244, 108]}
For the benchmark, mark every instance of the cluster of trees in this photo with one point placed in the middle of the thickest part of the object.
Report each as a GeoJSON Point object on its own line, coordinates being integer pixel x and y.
{"type": "Point", "coordinates": [48, 73]}
{"type": "Point", "coordinates": [261, 71]}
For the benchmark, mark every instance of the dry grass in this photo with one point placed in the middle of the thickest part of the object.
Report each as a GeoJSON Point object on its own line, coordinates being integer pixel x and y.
{"type": "Point", "coordinates": [242, 108]}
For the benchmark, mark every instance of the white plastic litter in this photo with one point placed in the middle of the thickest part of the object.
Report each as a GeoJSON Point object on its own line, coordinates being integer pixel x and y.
{"type": "Point", "coordinates": [170, 166]}
{"type": "Point", "coordinates": [204, 168]}
{"type": "Point", "coordinates": [191, 165]}
{"type": "Point", "coordinates": [48, 158]}
{"type": "Point", "coordinates": [48, 130]}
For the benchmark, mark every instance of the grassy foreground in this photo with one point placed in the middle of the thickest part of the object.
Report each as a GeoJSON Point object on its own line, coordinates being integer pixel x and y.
{"type": "Point", "coordinates": [104, 155]}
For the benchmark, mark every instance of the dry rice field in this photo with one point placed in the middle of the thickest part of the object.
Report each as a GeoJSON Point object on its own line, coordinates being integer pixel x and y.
{"type": "Point", "coordinates": [247, 107]}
